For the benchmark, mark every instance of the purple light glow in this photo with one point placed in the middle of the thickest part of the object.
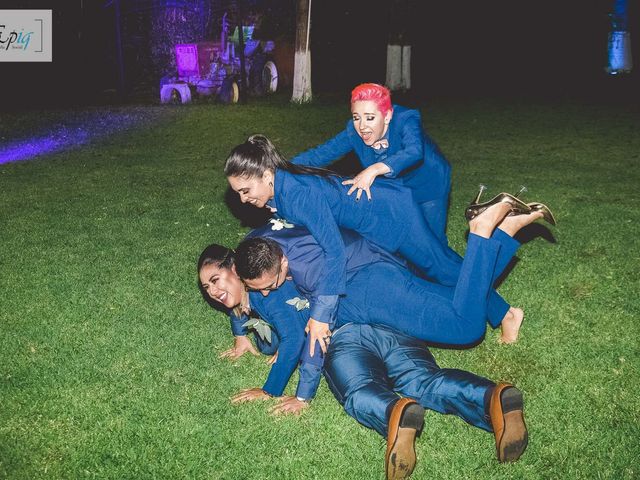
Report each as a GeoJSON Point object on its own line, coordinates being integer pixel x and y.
{"type": "Point", "coordinates": [52, 142]}
{"type": "Point", "coordinates": [75, 132]}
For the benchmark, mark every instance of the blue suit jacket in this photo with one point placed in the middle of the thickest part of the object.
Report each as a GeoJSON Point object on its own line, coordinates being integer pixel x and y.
{"type": "Point", "coordinates": [412, 155]}
{"type": "Point", "coordinates": [323, 207]}
{"type": "Point", "coordinates": [306, 265]}
{"type": "Point", "coordinates": [290, 324]}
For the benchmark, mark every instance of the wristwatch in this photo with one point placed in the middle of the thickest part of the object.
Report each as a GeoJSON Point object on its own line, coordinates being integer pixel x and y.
{"type": "Point", "coordinates": [300, 399]}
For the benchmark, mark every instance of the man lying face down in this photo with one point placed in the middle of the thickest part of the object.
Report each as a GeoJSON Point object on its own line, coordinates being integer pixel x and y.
{"type": "Point", "coordinates": [383, 378]}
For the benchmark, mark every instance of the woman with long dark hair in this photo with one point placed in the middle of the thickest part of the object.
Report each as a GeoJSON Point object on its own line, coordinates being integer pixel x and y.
{"type": "Point", "coordinates": [316, 199]}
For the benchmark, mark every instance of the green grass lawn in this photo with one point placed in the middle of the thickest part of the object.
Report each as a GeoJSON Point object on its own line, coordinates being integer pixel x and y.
{"type": "Point", "coordinates": [109, 356]}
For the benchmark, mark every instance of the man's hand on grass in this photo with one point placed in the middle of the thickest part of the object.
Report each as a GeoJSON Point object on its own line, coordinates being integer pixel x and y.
{"type": "Point", "coordinates": [288, 405]}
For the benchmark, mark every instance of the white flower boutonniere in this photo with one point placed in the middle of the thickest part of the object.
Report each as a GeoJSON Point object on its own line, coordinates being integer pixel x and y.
{"type": "Point", "coordinates": [262, 328]}
{"type": "Point", "coordinates": [299, 303]}
{"type": "Point", "coordinates": [280, 223]}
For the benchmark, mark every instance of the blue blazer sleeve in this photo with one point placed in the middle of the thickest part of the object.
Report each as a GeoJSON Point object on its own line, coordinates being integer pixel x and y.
{"type": "Point", "coordinates": [313, 212]}
{"type": "Point", "coordinates": [324, 308]}
{"type": "Point", "coordinates": [326, 153]}
{"type": "Point", "coordinates": [287, 319]}
{"type": "Point", "coordinates": [310, 371]}
{"type": "Point", "coordinates": [290, 327]}
{"type": "Point", "coordinates": [236, 324]}
{"type": "Point", "coordinates": [409, 133]}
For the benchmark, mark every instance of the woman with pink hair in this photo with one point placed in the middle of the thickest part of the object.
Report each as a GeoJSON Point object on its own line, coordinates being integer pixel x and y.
{"type": "Point", "coordinates": [390, 141]}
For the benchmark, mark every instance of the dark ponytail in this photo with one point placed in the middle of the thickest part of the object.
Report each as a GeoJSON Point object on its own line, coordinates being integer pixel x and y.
{"type": "Point", "coordinates": [257, 155]}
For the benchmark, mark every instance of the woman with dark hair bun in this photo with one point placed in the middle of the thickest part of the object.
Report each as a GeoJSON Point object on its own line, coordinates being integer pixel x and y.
{"type": "Point", "coordinates": [217, 264]}
{"type": "Point", "coordinates": [220, 282]}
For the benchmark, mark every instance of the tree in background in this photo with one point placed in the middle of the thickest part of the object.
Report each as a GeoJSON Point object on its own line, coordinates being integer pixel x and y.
{"type": "Point", "coordinates": [302, 69]}
{"type": "Point", "coordinates": [399, 47]}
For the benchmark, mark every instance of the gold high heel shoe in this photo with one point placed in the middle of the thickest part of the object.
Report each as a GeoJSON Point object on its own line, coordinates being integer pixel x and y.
{"type": "Point", "coordinates": [546, 213]}
{"type": "Point", "coordinates": [518, 207]}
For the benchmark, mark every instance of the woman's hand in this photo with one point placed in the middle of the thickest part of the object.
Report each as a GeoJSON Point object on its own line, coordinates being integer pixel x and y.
{"type": "Point", "coordinates": [365, 178]}
{"type": "Point", "coordinates": [288, 405]}
{"type": "Point", "coordinates": [241, 345]}
{"type": "Point", "coordinates": [272, 359]}
{"type": "Point", "coordinates": [318, 331]}
{"type": "Point", "coordinates": [249, 395]}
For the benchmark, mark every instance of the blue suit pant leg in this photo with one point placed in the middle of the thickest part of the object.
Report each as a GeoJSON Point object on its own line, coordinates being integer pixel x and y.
{"type": "Point", "coordinates": [356, 374]}
{"type": "Point", "coordinates": [383, 293]}
{"type": "Point", "coordinates": [446, 264]}
{"type": "Point", "coordinates": [414, 373]}
{"type": "Point", "coordinates": [435, 214]}
{"type": "Point", "coordinates": [509, 248]}
{"type": "Point", "coordinates": [369, 367]}
{"type": "Point", "coordinates": [471, 282]}
{"type": "Point", "coordinates": [497, 307]}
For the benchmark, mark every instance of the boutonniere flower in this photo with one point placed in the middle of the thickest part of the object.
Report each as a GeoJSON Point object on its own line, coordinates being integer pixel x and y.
{"type": "Point", "coordinates": [280, 223]}
{"type": "Point", "coordinates": [299, 303]}
{"type": "Point", "coordinates": [262, 328]}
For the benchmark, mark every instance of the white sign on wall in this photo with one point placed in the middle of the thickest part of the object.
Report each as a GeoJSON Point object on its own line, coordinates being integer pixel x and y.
{"type": "Point", "coordinates": [26, 36]}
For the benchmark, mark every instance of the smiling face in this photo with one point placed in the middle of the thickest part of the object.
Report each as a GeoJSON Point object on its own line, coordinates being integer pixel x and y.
{"type": "Point", "coordinates": [269, 281]}
{"type": "Point", "coordinates": [222, 284]}
{"type": "Point", "coordinates": [369, 122]}
{"type": "Point", "coordinates": [254, 190]}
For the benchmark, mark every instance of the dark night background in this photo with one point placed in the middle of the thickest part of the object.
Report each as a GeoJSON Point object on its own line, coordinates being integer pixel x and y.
{"type": "Point", "coordinates": [541, 49]}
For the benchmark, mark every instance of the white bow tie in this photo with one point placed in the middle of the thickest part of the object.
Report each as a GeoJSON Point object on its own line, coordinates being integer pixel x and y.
{"type": "Point", "coordinates": [384, 143]}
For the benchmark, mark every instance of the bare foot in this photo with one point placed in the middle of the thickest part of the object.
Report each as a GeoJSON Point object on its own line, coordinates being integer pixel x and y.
{"type": "Point", "coordinates": [484, 224]}
{"type": "Point", "coordinates": [512, 223]}
{"type": "Point", "coordinates": [510, 325]}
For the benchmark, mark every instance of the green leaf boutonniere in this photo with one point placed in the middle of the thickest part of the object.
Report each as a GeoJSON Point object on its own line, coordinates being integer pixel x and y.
{"type": "Point", "coordinates": [262, 328]}
{"type": "Point", "coordinates": [299, 303]}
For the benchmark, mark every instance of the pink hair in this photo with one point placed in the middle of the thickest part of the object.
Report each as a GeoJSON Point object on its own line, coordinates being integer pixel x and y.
{"type": "Point", "coordinates": [372, 92]}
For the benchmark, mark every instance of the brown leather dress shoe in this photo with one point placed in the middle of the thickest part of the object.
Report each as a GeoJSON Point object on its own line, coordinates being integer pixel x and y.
{"type": "Point", "coordinates": [405, 424]}
{"type": "Point", "coordinates": [507, 421]}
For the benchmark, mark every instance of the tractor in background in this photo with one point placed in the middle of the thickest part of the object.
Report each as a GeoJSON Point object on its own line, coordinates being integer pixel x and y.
{"type": "Point", "coordinates": [213, 68]}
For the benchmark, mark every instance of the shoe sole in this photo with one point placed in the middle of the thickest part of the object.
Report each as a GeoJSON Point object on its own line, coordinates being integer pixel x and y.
{"type": "Point", "coordinates": [402, 459]}
{"type": "Point", "coordinates": [515, 437]}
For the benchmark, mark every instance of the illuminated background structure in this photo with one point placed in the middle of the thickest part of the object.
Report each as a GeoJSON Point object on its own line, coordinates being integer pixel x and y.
{"type": "Point", "coordinates": [542, 48]}
{"type": "Point", "coordinates": [620, 57]}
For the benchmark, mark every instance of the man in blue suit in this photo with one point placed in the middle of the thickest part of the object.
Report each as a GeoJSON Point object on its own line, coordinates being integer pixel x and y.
{"type": "Point", "coordinates": [377, 289]}
{"type": "Point", "coordinates": [368, 367]}
{"type": "Point", "coordinates": [385, 379]}
{"type": "Point", "coordinates": [292, 293]}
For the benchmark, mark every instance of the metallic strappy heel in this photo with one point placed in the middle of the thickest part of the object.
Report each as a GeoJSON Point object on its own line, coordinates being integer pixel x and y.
{"type": "Point", "coordinates": [518, 207]}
